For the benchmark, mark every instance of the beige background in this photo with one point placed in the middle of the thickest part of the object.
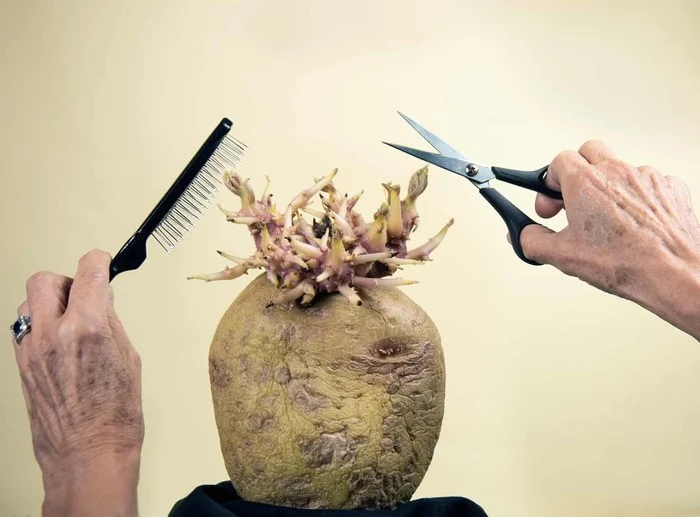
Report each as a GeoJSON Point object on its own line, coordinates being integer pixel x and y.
{"type": "Point", "coordinates": [561, 400]}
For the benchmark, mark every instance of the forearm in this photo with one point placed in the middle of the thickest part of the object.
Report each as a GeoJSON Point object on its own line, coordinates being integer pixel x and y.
{"type": "Point", "coordinates": [105, 486]}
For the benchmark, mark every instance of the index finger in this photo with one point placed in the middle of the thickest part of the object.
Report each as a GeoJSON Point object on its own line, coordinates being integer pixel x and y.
{"type": "Point", "coordinates": [597, 152]}
{"type": "Point", "coordinates": [90, 291]}
{"type": "Point", "coordinates": [564, 166]}
{"type": "Point", "coordinates": [47, 296]}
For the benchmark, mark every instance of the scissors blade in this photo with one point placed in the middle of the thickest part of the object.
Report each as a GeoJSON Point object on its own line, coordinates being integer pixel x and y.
{"type": "Point", "coordinates": [438, 143]}
{"type": "Point", "coordinates": [456, 165]}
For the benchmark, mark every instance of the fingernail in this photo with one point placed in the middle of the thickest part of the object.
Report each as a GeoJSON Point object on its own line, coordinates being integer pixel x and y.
{"type": "Point", "coordinates": [110, 295]}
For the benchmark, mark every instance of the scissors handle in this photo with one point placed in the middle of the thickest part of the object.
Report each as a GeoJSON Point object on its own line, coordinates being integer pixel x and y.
{"type": "Point", "coordinates": [531, 180]}
{"type": "Point", "coordinates": [515, 220]}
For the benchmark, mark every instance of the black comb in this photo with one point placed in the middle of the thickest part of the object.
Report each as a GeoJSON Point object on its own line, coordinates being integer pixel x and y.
{"type": "Point", "coordinates": [175, 213]}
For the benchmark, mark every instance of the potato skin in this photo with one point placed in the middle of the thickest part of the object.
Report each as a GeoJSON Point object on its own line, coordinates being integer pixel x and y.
{"type": "Point", "coordinates": [331, 406]}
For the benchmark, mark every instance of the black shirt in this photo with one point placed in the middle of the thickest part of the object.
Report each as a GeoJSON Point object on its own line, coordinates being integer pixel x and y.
{"type": "Point", "coordinates": [222, 501]}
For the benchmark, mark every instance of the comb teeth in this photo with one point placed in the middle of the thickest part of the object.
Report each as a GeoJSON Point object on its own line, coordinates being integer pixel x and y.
{"type": "Point", "coordinates": [185, 212]}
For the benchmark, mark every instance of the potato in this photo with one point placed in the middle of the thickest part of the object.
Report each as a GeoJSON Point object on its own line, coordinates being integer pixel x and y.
{"type": "Point", "coordinates": [327, 406]}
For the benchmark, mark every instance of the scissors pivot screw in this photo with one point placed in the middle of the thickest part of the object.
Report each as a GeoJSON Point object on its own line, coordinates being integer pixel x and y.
{"type": "Point", "coordinates": [472, 170]}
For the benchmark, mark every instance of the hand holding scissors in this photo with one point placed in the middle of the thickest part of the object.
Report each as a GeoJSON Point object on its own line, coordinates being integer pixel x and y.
{"type": "Point", "coordinates": [452, 160]}
{"type": "Point", "coordinates": [631, 231]}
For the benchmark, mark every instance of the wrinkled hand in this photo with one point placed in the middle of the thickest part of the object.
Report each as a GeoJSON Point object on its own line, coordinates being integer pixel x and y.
{"type": "Point", "coordinates": [631, 231]}
{"type": "Point", "coordinates": [81, 379]}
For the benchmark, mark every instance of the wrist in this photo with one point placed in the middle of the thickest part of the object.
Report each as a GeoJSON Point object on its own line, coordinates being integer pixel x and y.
{"type": "Point", "coordinates": [676, 294]}
{"type": "Point", "coordinates": [101, 485]}
{"type": "Point", "coordinates": [689, 312]}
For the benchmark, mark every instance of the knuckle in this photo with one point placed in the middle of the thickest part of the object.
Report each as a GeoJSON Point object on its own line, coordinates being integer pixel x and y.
{"type": "Point", "coordinates": [95, 255]}
{"type": "Point", "coordinates": [591, 145]}
{"type": "Point", "coordinates": [65, 330]}
{"type": "Point", "coordinates": [648, 170]}
{"type": "Point", "coordinates": [678, 183]}
{"type": "Point", "coordinates": [92, 277]}
{"type": "Point", "coordinates": [39, 278]}
{"type": "Point", "coordinates": [531, 244]}
{"type": "Point", "coordinates": [681, 190]}
{"type": "Point", "coordinates": [530, 251]}
{"type": "Point", "coordinates": [93, 330]}
{"type": "Point", "coordinates": [80, 330]}
{"type": "Point", "coordinates": [566, 156]}
{"type": "Point", "coordinates": [564, 159]}
{"type": "Point", "coordinates": [526, 243]}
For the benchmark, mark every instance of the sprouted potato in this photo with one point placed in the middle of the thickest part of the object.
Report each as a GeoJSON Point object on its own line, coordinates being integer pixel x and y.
{"type": "Point", "coordinates": [321, 403]}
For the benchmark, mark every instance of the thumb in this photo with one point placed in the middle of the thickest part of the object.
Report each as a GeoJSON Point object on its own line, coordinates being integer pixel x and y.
{"type": "Point", "coordinates": [541, 244]}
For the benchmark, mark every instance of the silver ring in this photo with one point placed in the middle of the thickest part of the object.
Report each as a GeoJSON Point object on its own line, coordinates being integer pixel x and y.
{"type": "Point", "coordinates": [21, 328]}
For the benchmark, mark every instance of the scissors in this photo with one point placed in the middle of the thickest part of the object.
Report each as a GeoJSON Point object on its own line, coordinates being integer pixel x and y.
{"type": "Point", "coordinates": [452, 160]}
